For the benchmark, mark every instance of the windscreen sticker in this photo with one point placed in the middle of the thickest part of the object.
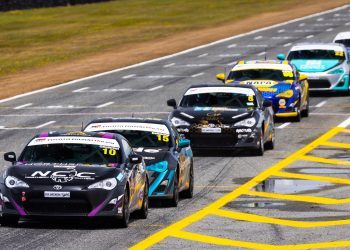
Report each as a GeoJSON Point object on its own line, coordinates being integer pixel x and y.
{"type": "Point", "coordinates": [102, 142]}
{"type": "Point", "coordinates": [265, 89]}
{"type": "Point", "coordinates": [136, 126]}
{"type": "Point", "coordinates": [287, 73]}
{"type": "Point", "coordinates": [207, 90]}
{"type": "Point", "coordinates": [260, 82]}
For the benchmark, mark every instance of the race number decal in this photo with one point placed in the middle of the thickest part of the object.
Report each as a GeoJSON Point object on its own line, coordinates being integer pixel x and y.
{"type": "Point", "coordinates": [109, 151]}
{"type": "Point", "coordinates": [288, 73]}
{"type": "Point", "coordinates": [250, 98]}
{"type": "Point", "coordinates": [164, 138]}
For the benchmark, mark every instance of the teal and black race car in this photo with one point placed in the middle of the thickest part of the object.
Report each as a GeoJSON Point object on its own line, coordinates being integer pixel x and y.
{"type": "Point", "coordinates": [278, 82]}
{"type": "Point", "coordinates": [169, 158]}
{"type": "Point", "coordinates": [325, 64]}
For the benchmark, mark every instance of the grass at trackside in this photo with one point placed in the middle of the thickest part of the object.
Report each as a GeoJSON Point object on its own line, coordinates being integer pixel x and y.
{"type": "Point", "coordinates": [34, 38]}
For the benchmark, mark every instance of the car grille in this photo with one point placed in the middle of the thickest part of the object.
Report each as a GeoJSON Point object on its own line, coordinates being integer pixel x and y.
{"type": "Point", "coordinates": [321, 83]}
{"type": "Point", "coordinates": [212, 141]}
{"type": "Point", "coordinates": [57, 206]}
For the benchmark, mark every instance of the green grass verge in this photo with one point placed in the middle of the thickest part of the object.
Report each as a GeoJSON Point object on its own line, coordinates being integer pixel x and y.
{"type": "Point", "coordinates": [35, 38]}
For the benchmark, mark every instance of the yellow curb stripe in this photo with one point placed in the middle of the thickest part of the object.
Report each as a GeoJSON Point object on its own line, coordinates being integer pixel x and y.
{"type": "Point", "coordinates": [346, 131]}
{"type": "Point", "coordinates": [181, 224]}
{"type": "Point", "coordinates": [324, 160]}
{"type": "Point", "coordinates": [270, 220]}
{"type": "Point", "coordinates": [253, 245]}
{"type": "Point", "coordinates": [313, 177]}
{"type": "Point", "coordinates": [302, 198]}
{"type": "Point", "coordinates": [336, 144]}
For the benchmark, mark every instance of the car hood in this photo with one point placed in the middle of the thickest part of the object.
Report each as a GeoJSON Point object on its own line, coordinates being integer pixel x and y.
{"type": "Point", "coordinates": [213, 115]}
{"type": "Point", "coordinates": [51, 174]}
{"type": "Point", "coordinates": [311, 66]}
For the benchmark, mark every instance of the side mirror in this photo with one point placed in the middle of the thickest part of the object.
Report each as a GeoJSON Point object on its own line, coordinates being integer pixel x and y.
{"type": "Point", "coordinates": [267, 103]}
{"type": "Point", "coordinates": [281, 57]}
{"type": "Point", "coordinates": [10, 156]}
{"type": "Point", "coordinates": [183, 143]}
{"type": "Point", "coordinates": [172, 103]}
{"type": "Point", "coordinates": [220, 77]}
{"type": "Point", "coordinates": [135, 159]}
{"type": "Point", "coordinates": [302, 77]}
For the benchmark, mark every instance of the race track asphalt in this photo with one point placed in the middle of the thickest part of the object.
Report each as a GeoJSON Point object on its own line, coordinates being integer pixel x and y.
{"type": "Point", "coordinates": [143, 91]}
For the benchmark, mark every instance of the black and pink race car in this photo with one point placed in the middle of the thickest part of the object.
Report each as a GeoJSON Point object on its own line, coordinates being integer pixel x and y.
{"type": "Point", "coordinates": [74, 174]}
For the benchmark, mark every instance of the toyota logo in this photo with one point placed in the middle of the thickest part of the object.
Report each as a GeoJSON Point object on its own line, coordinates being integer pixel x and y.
{"type": "Point", "coordinates": [57, 187]}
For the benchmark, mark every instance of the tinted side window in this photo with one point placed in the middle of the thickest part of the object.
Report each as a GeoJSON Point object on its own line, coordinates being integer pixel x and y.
{"type": "Point", "coordinates": [127, 148]}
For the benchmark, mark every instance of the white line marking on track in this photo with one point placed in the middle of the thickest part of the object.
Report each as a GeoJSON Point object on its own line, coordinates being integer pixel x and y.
{"type": "Point", "coordinates": [53, 107]}
{"type": "Point", "coordinates": [281, 31]}
{"type": "Point", "coordinates": [321, 104]}
{"type": "Point", "coordinates": [198, 65]}
{"type": "Point", "coordinates": [168, 65]}
{"type": "Point", "coordinates": [79, 90]}
{"type": "Point", "coordinates": [229, 55]}
{"type": "Point", "coordinates": [257, 45]}
{"type": "Point", "coordinates": [155, 88]}
{"type": "Point", "coordinates": [320, 19]}
{"type": "Point", "coordinates": [262, 53]}
{"type": "Point", "coordinates": [330, 29]}
{"type": "Point", "coordinates": [287, 44]}
{"type": "Point", "coordinates": [202, 55]}
{"type": "Point", "coordinates": [345, 123]}
{"type": "Point", "coordinates": [175, 54]}
{"type": "Point", "coordinates": [128, 76]}
{"type": "Point", "coordinates": [45, 124]}
{"type": "Point", "coordinates": [199, 74]}
{"type": "Point", "coordinates": [258, 37]}
{"type": "Point", "coordinates": [347, 24]}
{"type": "Point", "coordinates": [232, 46]}
{"type": "Point", "coordinates": [23, 106]}
{"type": "Point", "coordinates": [309, 36]}
{"type": "Point", "coordinates": [1, 127]}
{"type": "Point", "coordinates": [104, 105]}
{"type": "Point", "coordinates": [283, 125]}
{"type": "Point", "coordinates": [301, 24]}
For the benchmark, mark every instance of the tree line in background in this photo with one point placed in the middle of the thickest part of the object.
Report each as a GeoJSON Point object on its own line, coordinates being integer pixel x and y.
{"type": "Point", "coordinates": [6, 5]}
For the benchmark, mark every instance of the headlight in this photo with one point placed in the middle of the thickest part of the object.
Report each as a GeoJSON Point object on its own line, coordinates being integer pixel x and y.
{"type": "Point", "coordinates": [13, 182]}
{"type": "Point", "coordinates": [286, 94]}
{"type": "Point", "coordinates": [337, 71]}
{"type": "Point", "coordinates": [107, 184]}
{"type": "Point", "coordinates": [250, 122]}
{"type": "Point", "coordinates": [179, 122]}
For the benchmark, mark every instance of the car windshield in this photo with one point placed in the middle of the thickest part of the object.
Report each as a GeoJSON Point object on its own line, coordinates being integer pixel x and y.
{"type": "Point", "coordinates": [317, 54]}
{"type": "Point", "coordinates": [146, 139]}
{"type": "Point", "coordinates": [240, 99]}
{"type": "Point", "coordinates": [71, 154]}
{"type": "Point", "coordinates": [261, 74]}
{"type": "Point", "coordinates": [346, 42]}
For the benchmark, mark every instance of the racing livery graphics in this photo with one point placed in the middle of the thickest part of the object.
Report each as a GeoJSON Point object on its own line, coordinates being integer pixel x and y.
{"type": "Point", "coordinates": [224, 117]}
{"type": "Point", "coordinates": [168, 157]}
{"type": "Point", "coordinates": [75, 174]}
{"type": "Point", "coordinates": [279, 82]}
{"type": "Point", "coordinates": [325, 64]}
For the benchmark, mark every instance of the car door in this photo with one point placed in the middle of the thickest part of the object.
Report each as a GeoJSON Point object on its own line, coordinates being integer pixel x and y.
{"type": "Point", "coordinates": [302, 86]}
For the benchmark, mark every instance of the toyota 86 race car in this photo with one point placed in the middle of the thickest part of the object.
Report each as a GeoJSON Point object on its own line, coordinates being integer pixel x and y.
{"type": "Point", "coordinates": [343, 38]}
{"type": "Point", "coordinates": [169, 158]}
{"type": "Point", "coordinates": [325, 64]}
{"type": "Point", "coordinates": [278, 82]}
{"type": "Point", "coordinates": [74, 174]}
{"type": "Point", "coordinates": [224, 117]}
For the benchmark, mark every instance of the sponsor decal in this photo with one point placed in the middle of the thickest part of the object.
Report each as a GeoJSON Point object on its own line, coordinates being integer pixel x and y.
{"type": "Point", "coordinates": [57, 187]}
{"type": "Point", "coordinates": [147, 150]}
{"type": "Point", "coordinates": [243, 130]}
{"type": "Point", "coordinates": [206, 90]}
{"type": "Point", "coordinates": [282, 102]}
{"type": "Point", "coordinates": [265, 89]}
{"type": "Point", "coordinates": [183, 130]}
{"type": "Point", "coordinates": [62, 176]}
{"type": "Point", "coordinates": [102, 142]}
{"type": "Point", "coordinates": [260, 82]}
{"type": "Point", "coordinates": [131, 126]}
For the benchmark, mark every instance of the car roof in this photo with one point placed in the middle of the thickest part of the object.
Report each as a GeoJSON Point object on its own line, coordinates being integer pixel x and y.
{"type": "Point", "coordinates": [342, 36]}
{"type": "Point", "coordinates": [319, 46]}
{"type": "Point", "coordinates": [267, 64]}
{"type": "Point", "coordinates": [237, 85]}
{"type": "Point", "coordinates": [129, 119]}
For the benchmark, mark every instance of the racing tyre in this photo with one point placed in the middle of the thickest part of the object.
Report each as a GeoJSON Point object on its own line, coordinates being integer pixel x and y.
{"type": "Point", "coordinates": [143, 212]}
{"type": "Point", "coordinates": [189, 192]}
{"type": "Point", "coordinates": [305, 112]}
{"type": "Point", "coordinates": [124, 221]}
{"type": "Point", "coordinates": [9, 220]}
{"type": "Point", "coordinates": [271, 144]}
{"type": "Point", "coordinates": [175, 199]}
{"type": "Point", "coordinates": [298, 117]}
{"type": "Point", "coordinates": [260, 150]}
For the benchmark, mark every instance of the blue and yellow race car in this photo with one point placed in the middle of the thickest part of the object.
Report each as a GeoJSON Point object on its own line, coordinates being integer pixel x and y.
{"type": "Point", "coordinates": [279, 82]}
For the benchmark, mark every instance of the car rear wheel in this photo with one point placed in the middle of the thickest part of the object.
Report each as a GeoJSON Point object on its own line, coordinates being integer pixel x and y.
{"type": "Point", "coordinates": [189, 192]}
{"type": "Point", "coordinates": [271, 143]}
{"type": "Point", "coordinates": [124, 221]}
{"type": "Point", "coordinates": [9, 220]}
{"type": "Point", "coordinates": [143, 212]}
{"type": "Point", "coordinates": [298, 117]}
{"type": "Point", "coordinates": [260, 150]}
{"type": "Point", "coordinates": [175, 199]}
